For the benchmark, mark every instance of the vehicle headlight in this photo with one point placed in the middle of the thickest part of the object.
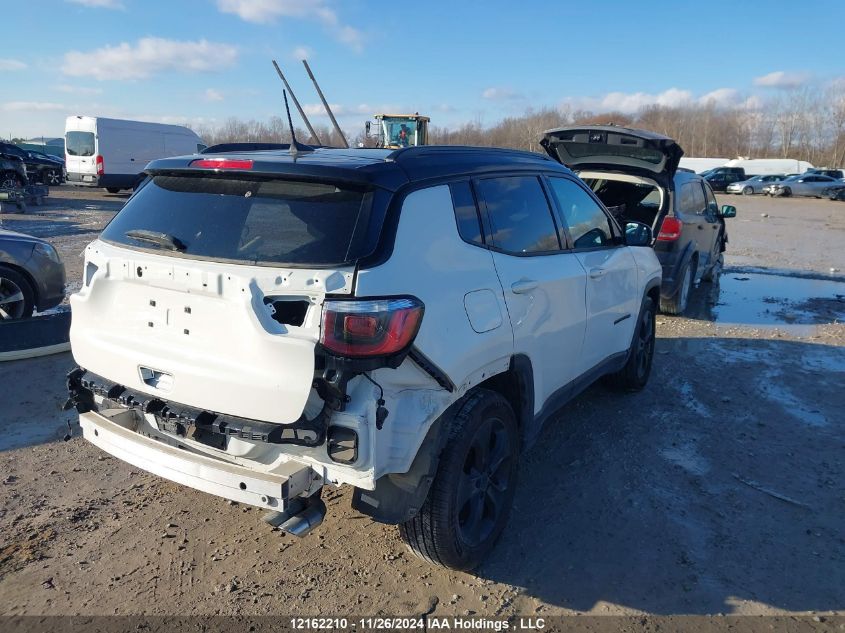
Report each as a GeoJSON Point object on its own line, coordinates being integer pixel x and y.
{"type": "Point", "coordinates": [46, 250]}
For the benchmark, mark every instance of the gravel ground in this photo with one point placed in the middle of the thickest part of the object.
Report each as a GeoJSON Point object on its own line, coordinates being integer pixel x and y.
{"type": "Point", "coordinates": [718, 489]}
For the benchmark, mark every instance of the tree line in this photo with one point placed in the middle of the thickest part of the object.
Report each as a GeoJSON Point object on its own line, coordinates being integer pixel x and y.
{"type": "Point", "coordinates": [804, 124]}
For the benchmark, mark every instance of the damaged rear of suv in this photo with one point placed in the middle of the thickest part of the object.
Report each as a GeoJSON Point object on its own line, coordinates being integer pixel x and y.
{"type": "Point", "coordinates": [260, 325]}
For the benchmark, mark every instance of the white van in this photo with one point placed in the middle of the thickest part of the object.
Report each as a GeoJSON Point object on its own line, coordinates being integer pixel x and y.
{"type": "Point", "coordinates": [112, 153]}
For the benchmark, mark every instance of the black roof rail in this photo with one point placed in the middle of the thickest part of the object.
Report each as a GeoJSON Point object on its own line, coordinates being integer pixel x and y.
{"type": "Point", "coordinates": [405, 153]}
{"type": "Point", "coordinates": [223, 148]}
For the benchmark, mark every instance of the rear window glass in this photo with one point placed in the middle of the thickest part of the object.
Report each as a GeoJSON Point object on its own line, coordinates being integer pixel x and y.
{"type": "Point", "coordinates": [79, 143]}
{"type": "Point", "coordinates": [254, 221]}
{"type": "Point", "coordinates": [585, 150]}
{"type": "Point", "coordinates": [466, 213]}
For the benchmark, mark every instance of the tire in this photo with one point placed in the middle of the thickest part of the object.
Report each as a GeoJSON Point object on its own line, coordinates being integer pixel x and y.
{"type": "Point", "coordinates": [52, 178]}
{"type": "Point", "coordinates": [17, 298]}
{"type": "Point", "coordinates": [470, 498]}
{"type": "Point", "coordinates": [786, 192]}
{"type": "Point", "coordinates": [634, 376]}
{"type": "Point", "coordinates": [10, 180]}
{"type": "Point", "coordinates": [678, 303]}
{"type": "Point", "coordinates": [112, 189]}
{"type": "Point", "coordinates": [715, 271]}
{"type": "Point", "coordinates": [747, 191]}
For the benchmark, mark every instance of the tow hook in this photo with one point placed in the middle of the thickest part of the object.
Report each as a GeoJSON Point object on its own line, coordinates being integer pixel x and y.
{"type": "Point", "coordinates": [300, 517]}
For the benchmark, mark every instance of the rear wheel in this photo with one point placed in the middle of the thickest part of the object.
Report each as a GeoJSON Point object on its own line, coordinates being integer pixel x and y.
{"type": "Point", "coordinates": [747, 191]}
{"type": "Point", "coordinates": [53, 177]}
{"type": "Point", "coordinates": [112, 189]}
{"type": "Point", "coordinates": [10, 180]}
{"type": "Point", "coordinates": [678, 303]}
{"type": "Point", "coordinates": [17, 298]}
{"type": "Point", "coordinates": [634, 375]}
{"type": "Point", "coordinates": [470, 498]}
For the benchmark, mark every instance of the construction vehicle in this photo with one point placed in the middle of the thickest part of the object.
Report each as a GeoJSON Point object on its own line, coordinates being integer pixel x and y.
{"type": "Point", "coordinates": [399, 130]}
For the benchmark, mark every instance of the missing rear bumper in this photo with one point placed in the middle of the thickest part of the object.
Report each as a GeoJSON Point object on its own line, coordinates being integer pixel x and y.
{"type": "Point", "coordinates": [114, 431]}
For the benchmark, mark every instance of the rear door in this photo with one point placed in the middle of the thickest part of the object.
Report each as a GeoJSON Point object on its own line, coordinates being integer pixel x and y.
{"type": "Point", "coordinates": [81, 147]}
{"type": "Point", "coordinates": [691, 209]}
{"type": "Point", "coordinates": [544, 285]}
{"type": "Point", "coordinates": [612, 300]}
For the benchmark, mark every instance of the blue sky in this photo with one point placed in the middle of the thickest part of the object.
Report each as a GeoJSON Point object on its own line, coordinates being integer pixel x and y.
{"type": "Point", "coordinates": [201, 61]}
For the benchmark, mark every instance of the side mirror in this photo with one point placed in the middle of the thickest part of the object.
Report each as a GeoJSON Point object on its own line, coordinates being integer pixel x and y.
{"type": "Point", "coordinates": [637, 234]}
{"type": "Point", "coordinates": [728, 211]}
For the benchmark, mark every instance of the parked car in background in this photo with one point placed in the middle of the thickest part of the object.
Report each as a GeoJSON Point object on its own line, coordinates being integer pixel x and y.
{"type": "Point", "coordinates": [112, 153]}
{"type": "Point", "coordinates": [401, 322]}
{"type": "Point", "coordinates": [802, 185]}
{"type": "Point", "coordinates": [833, 190]}
{"type": "Point", "coordinates": [12, 172]}
{"type": "Point", "coordinates": [723, 177]}
{"type": "Point", "coordinates": [32, 277]}
{"type": "Point", "coordinates": [635, 174]}
{"type": "Point", "coordinates": [826, 171]}
{"type": "Point", "coordinates": [754, 185]}
{"type": "Point", "coordinates": [39, 167]}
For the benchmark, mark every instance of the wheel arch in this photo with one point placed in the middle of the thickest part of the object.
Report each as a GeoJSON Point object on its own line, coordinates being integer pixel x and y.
{"type": "Point", "coordinates": [29, 278]}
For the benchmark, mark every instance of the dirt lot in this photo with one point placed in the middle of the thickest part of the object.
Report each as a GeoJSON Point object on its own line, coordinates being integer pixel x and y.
{"type": "Point", "coordinates": [718, 489]}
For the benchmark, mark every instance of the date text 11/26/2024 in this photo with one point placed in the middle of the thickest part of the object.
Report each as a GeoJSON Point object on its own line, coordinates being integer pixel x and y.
{"type": "Point", "coordinates": [420, 623]}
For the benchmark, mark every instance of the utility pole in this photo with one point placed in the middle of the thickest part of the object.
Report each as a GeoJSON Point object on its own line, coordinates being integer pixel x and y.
{"type": "Point", "coordinates": [326, 105]}
{"type": "Point", "coordinates": [296, 103]}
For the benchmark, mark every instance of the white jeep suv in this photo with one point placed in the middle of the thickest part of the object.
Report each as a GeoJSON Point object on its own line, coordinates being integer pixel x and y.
{"type": "Point", "coordinates": [260, 325]}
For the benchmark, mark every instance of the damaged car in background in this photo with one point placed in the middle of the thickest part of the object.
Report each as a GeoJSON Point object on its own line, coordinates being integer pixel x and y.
{"type": "Point", "coordinates": [635, 174]}
{"type": "Point", "coordinates": [260, 325]}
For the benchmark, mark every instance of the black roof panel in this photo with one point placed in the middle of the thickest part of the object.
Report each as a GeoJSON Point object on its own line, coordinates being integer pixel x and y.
{"type": "Point", "coordinates": [382, 167]}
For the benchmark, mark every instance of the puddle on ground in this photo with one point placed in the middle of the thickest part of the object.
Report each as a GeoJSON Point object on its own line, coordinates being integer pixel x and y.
{"type": "Point", "coordinates": [777, 301]}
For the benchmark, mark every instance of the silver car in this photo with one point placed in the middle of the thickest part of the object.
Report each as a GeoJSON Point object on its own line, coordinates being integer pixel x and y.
{"type": "Point", "coordinates": [32, 276]}
{"type": "Point", "coordinates": [755, 184]}
{"type": "Point", "coordinates": [802, 185]}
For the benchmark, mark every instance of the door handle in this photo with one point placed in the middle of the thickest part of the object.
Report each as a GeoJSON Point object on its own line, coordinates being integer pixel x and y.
{"type": "Point", "coordinates": [523, 285]}
{"type": "Point", "coordinates": [597, 273]}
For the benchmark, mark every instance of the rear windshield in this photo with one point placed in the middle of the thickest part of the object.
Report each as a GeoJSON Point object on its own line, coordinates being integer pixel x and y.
{"type": "Point", "coordinates": [585, 150]}
{"type": "Point", "coordinates": [79, 143]}
{"type": "Point", "coordinates": [247, 220]}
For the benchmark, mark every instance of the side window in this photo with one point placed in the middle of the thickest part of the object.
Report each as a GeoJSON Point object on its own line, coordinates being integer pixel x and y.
{"type": "Point", "coordinates": [712, 204]}
{"type": "Point", "coordinates": [466, 213]}
{"type": "Point", "coordinates": [692, 199]}
{"type": "Point", "coordinates": [519, 214]}
{"type": "Point", "coordinates": [588, 224]}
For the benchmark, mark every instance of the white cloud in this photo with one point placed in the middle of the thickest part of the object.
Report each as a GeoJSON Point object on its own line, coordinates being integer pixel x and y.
{"type": "Point", "coordinates": [11, 64]}
{"type": "Point", "coordinates": [28, 106]}
{"type": "Point", "coordinates": [782, 79]}
{"type": "Point", "coordinates": [630, 102]}
{"type": "Point", "coordinates": [721, 97]}
{"type": "Point", "coordinates": [317, 109]}
{"type": "Point", "coordinates": [79, 90]}
{"type": "Point", "coordinates": [99, 4]}
{"type": "Point", "coordinates": [269, 11]}
{"type": "Point", "coordinates": [302, 52]}
{"type": "Point", "coordinates": [500, 94]}
{"type": "Point", "coordinates": [147, 56]}
{"type": "Point", "coordinates": [211, 94]}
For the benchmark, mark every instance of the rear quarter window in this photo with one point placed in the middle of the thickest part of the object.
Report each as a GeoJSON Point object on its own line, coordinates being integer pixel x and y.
{"type": "Point", "coordinates": [250, 220]}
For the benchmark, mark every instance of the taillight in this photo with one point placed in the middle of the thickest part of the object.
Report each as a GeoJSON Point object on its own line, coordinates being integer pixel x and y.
{"type": "Point", "coordinates": [670, 230]}
{"type": "Point", "coordinates": [222, 163]}
{"type": "Point", "coordinates": [370, 327]}
{"type": "Point", "coordinates": [101, 166]}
